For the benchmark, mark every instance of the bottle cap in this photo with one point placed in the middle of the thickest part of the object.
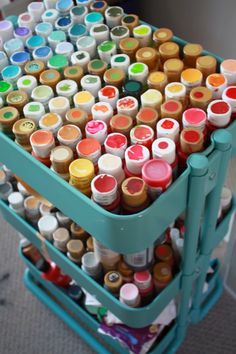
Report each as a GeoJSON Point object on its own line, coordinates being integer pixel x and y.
{"type": "Point", "coordinates": [207, 65]}
{"type": "Point", "coordinates": [42, 142]}
{"type": "Point", "coordinates": [129, 294]}
{"type": "Point", "coordinates": [229, 95]}
{"type": "Point", "coordinates": [27, 83]}
{"type": "Point", "coordinates": [77, 116]}
{"type": "Point", "coordinates": [101, 33]}
{"type": "Point", "coordinates": [148, 56]}
{"type": "Point", "coordinates": [51, 122]}
{"type": "Point", "coordinates": [219, 113]}
{"type": "Point", "coordinates": [157, 80]}
{"type": "Point", "coordinates": [147, 116]}
{"type": "Point", "coordinates": [104, 189]}
{"type": "Point", "coordinates": [157, 173]}
{"type": "Point", "coordinates": [63, 23]}
{"type": "Point", "coordinates": [164, 253]}
{"type": "Point", "coordinates": [142, 135]}
{"type": "Point", "coordinates": [111, 164]}
{"type": "Point", "coordinates": [168, 128]}
{"type": "Point", "coordinates": [82, 172]}
{"type": "Point", "coordinates": [81, 58]}
{"type": "Point", "coordinates": [113, 16]}
{"type": "Point", "coordinates": [173, 68]}
{"type": "Point", "coordinates": [5, 89]}
{"type": "Point", "coordinates": [114, 77]}
{"type": "Point", "coordinates": [98, 6]}
{"type": "Point", "coordinates": [16, 200]}
{"type": "Point", "coordinates": [217, 83]}
{"type": "Point", "coordinates": [144, 34]}
{"type": "Point", "coordinates": [194, 118]}
{"type": "Point", "coordinates": [168, 50]}
{"type": "Point", "coordinates": [22, 33]}
{"type": "Point", "coordinates": [17, 99]}
{"type": "Point", "coordinates": [50, 78]}
{"type": "Point", "coordinates": [22, 129]}
{"type": "Point", "coordinates": [91, 83]}
{"type": "Point", "coordinates": [56, 37]}
{"type": "Point", "coordinates": [44, 29]}
{"type": "Point", "coordinates": [84, 100]}
{"type": "Point", "coordinates": [91, 264]}
{"type": "Point", "coordinates": [191, 140]}
{"type": "Point", "coordinates": [36, 9]}
{"type": "Point", "coordinates": [34, 111]}
{"type": "Point", "coordinates": [46, 209]}
{"type": "Point", "coordinates": [47, 226]}
{"type": "Point", "coordinates": [127, 105]}
{"type": "Point", "coordinates": [64, 6]}
{"type": "Point", "coordinates": [59, 105]}
{"type": "Point", "coordinates": [134, 192]}
{"type": "Point", "coordinates": [89, 148]}
{"type": "Point", "coordinates": [109, 94]}
{"type": "Point", "coordinates": [42, 94]}
{"type": "Point", "coordinates": [152, 98]}
{"type": "Point", "coordinates": [5, 190]}
{"type": "Point", "coordinates": [93, 18]}
{"type": "Point", "coordinates": [125, 270]}
{"type": "Point", "coordinates": [200, 97]}
{"type": "Point", "coordinates": [121, 123]}
{"type": "Point", "coordinates": [31, 205]}
{"type": "Point", "coordinates": [102, 111]}
{"type": "Point", "coordinates": [69, 135]}
{"type": "Point", "coordinates": [96, 129]}
{"type": "Point", "coordinates": [74, 73]}
{"type": "Point", "coordinates": [75, 249]}
{"type": "Point", "coordinates": [97, 67]}
{"type": "Point", "coordinates": [89, 244]}
{"type": "Point", "coordinates": [78, 233]}
{"type": "Point", "coordinates": [119, 32]}
{"type": "Point", "coordinates": [60, 238]}
{"type": "Point", "coordinates": [13, 45]}
{"type": "Point", "coordinates": [65, 48]}
{"type": "Point", "coordinates": [143, 280]}
{"type": "Point", "coordinates": [34, 42]}
{"type": "Point", "coordinates": [176, 91]}
{"type": "Point", "coordinates": [34, 67]}
{"type": "Point", "coordinates": [79, 12]}
{"type": "Point", "coordinates": [162, 272]}
{"type": "Point", "coordinates": [131, 21]}
{"type": "Point", "coordinates": [164, 148]}
{"type": "Point", "coordinates": [116, 144]}
{"type": "Point", "coordinates": [61, 158]}
{"type": "Point", "coordinates": [50, 15]}
{"type": "Point", "coordinates": [6, 30]}
{"type": "Point", "coordinates": [139, 72]}
{"type": "Point", "coordinates": [135, 158]}
{"type": "Point", "coordinates": [26, 20]}
{"type": "Point", "coordinates": [191, 52]}
{"type": "Point", "coordinates": [88, 44]}
{"type": "Point", "coordinates": [162, 35]}
{"type": "Point", "coordinates": [191, 78]}
{"type": "Point", "coordinates": [226, 198]}
{"type": "Point", "coordinates": [11, 74]}
{"type": "Point", "coordinates": [129, 46]}
{"type": "Point", "coordinates": [58, 62]}
{"type": "Point", "coordinates": [77, 31]}
{"type": "Point", "coordinates": [113, 281]}
{"type": "Point", "coordinates": [8, 116]}
{"type": "Point", "coordinates": [133, 88]}
{"type": "Point", "coordinates": [228, 69]}
{"type": "Point", "coordinates": [120, 61]}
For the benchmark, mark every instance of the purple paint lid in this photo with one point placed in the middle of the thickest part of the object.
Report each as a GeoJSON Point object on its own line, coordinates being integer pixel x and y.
{"type": "Point", "coordinates": [22, 31]}
{"type": "Point", "coordinates": [5, 25]}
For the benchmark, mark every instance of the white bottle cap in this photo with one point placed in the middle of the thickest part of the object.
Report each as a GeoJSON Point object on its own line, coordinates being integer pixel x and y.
{"type": "Point", "coordinates": [113, 16]}
{"type": "Point", "coordinates": [55, 38]}
{"type": "Point", "coordinates": [67, 88]}
{"type": "Point", "coordinates": [100, 33]}
{"type": "Point", "coordinates": [42, 142]}
{"type": "Point", "coordinates": [60, 238]}
{"type": "Point", "coordinates": [43, 53]}
{"type": "Point", "coordinates": [217, 83]}
{"type": "Point", "coordinates": [50, 16]}
{"type": "Point", "coordinates": [142, 134]}
{"type": "Point", "coordinates": [26, 20]}
{"type": "Point", "coordinates": [228, 69]}
{"type": "Point", "coordinates": [50, 4]}
{"type": "Point", "coordinates": [16, 200]}
{"type": "Point", "coordinates": [135, 158]}
{"type": "Point", "coordinates": [65, 48]}
{"type": "Point", "coordinates": [168, 128]}
{"type": "Point", "coordinates": [63, 220]}
{"type": "Point", "coordinates": [6, 30]}
{"type": "Point", "coordinates": [127, 105]}
{"type": "Point", "coordinates": [31, 205]}
{"type": "Point", "coordinates": [102, 111]}
{"type": "Point", "coordinates": [82, 58]}
{"type": "Point", "coordinates": [229, 95]}
{"type": "Point", "coordinates": [119, 32]}
{"type": "Point", "coordinates": [129, 294]}
{"type": "Point", "coordinates": [35, 42]}
{"type": "Point", "coordinates": [143, 280]}
{"type": "Point", "coordinates": [226, 198]}
{"type": "Point", "coordinates": [121, 61]}
{"type": "Point", "coordinates": [175, 91]}
{"type": "Point", "coordinates": [45, 209]}
{"type": "Point", "coordinates": [47, 226]}
{"type": "Point", "coordinates": [93, 18]}
{"type": "Point", "coordinates": [27, 83]}
{"type": "Point", "coordinates": [22, 190]}
{"type": "Point", "coordinates": [139, 72]}
{"type": "Point", "coordinates": [88, 44]}
{"type": "Point", "coordinates": [13, 45]}
{"type": "Point", "coordinates": [174, 234]}
{"type": "Point", "coordinates": [144, 35]}
{"type": "Point", "coordinates": [111, 164]}
{"type": "Point", "coordinates": [77, 31]}
{"type": "Point", "coordinates": [34, 111]}
{"type": "Point", "coordinates": [44, 29]}
{"type": "Point", "coordinates": [59, 105]}
{"type": "Point", "coordinates": [51, 122]}
{"type": "Point", "coordinates": [22, 33]}
{"type": "Point", "coordinates": [109, 94]}
{"type": "Point", "coordinates": [104, 189]}
{"type": "Point", "coordinates": [3, 60]}
{"type": "Point", "coordinates": [36, 9]}
{"type": "Point", "coordinates": [164, 148]}
{"type": "Point", "coordinates": [219, 113]}
{"type": "Point", "coordinates": [106, 50]}
{"type": "Point", "coordinates": [91, 83]}
{"type": "Point", "coordinates": [96, 129]}
{"type": "Point", "coordinates": [90, 263]}
{"type": "Point", "coordinates": [152, 98]}
{"type": "Point", "coordinates": [116, 144]}
{"type": "Point", "coordinates": [43, 94]}
{"type": "Point", "coordinates": [84, 2]}
{"type": "Point", "coordinates": [84, 100]}
{"type": "Point", "coordinates": [64, 6]}
{"type": "Point", "coordinates": [20, 58]}
{"type": "Point", "coordinates": [5, 190]}
{"type": "Point", "coordinates": [78, 13]}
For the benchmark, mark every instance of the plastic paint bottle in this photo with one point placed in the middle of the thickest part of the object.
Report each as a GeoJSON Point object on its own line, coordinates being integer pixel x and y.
{"type": "Point", "coordinates": [191, 78]}
{"type": "Point", "coordinates": [162, 276]}
{"type": "Point", "coordinates": [22, 129]}
{"type": "Point", "coordinates": [59, 105]}
{"type": "Point", "coordinates": [143, 281]}
{"type": "Point", "coordinates": [108, 258]}
{"type": "Point", "coordinates": [142, 135]}
{"type": "Point", "coordinates": [144, 35]}
{"type": "Point", "coordinates": [61, 158]}
{"type": "Point", "coordinates": [200, 97]}
{"type": "Point", "coordinates": [129, 46]}
{"type": "Point", "coordinates": [229, 95]}
{"type": "Point", "coordinates": [84, 100]}
{"type": "Point", "coordinates": [69, 135]}
{"type": "Point", "coordinates": [104, 192]}
{"type": "Point", "coordinates": [139, 72]}
{"type": "Point", "coordinates": [134, 195]}
{"type": "Point", "coordinates": [42, 94]}
{"type": "Point", "coordinates": [97, 67]}
{"type": "Point", "coordinates": [60, 239]}
{"type": "Point", "coordinates": [152, 98]}
{"type": "Point", "coordinates": [74, 73]}
{"type": "Point", "coordinates": [122, 124]}
{"type": "Point", "coordinates": [135, 158]}
{"type": "Point", "coordinates": [172, 109]}
{"type": "Point", "coordinates": [8, 117]}
{"type": "Point", "coordinates": [113, 16]}
{"type": "Point", "coordinates": [126, 272]}
{"type": "Point", "coordinates": [165, 149]}
{"type": "Point", "coordinates": [78, 233]}
{"type": "Point", "coordinates": [109, 94]}
{"type": "Point", "coordinates": [93, 18]}
{"type": "Point", "coordinates": [78, 117]}
{"type": "Point", "coordinates": [67, 89]}
{"type": "Point", "coordinates": [113, 282]}
{"type": "Point", "coordinates": [148, 56]}
{"type": "Point", "coordinates": [168, 128]}
{"type": "Point", "coordinates": [100, 33]}
{"type": "Point", "coordinates": [173, 68]}
{"type": "Point", "coordinates": [90, 149]}
{"type": "Point", "coordinates": [17, 99]}
{"type": "Point", "coordinates": [63, 220]}
{"type": "Point", "coordinates": [102, 111]}
{"type": "Point", "coordinates": [34, 111]}
{"type": "Point", "coordinates": [191, 53]}
{"type": "Point", "coordinates": [128, 106]}
{"type": "Point", "coordinates": [162, 35]}
{"type": "Point", "coordinates": [140, 261]}
{"type": "Point", "coordinates": [81, 175]}
{"type": "Point", "coordinates": [129, 295]}
{"type": "Point", "coordinates": [168, 50]}
{"type": "Point", "coordinates": [31, 205]}
{"type": "Point", "coordinates": [164, 253]}
{"type": "Point", "coordinates": [27, 83]}
{"type": "Point", "coordinates": [47, 226]}
{"type": "Point", "coordinates": [92, 266]}
{"type": "Point", "coordinates": [42, 143]}
{"type": "Point", "coordinates": [117, 33]}
{"type": "Point", "coordinates": [75, 250]}
{"type": "Point", "coordinates": [50, 16]}
{"type": "Point", "coordinates": [91, 83]}
{"type": "Point", "coordinates": [35, 68]}
{"type": "Point", "coordinates": [88, 44]}
{"type": "Point", "coordinates": [121, 61]}
{"type": "Point", "coordinates": [228, 69]}
{"type": "Point", "coordinates": [207, 65]}
{"type": "Point", "coordinates": [78, 13]}
{"type": "Point", "coordinates": [131, 21]}
{"type": "Point", "coordinates": [116, 144]}
{"type": "Point", "coordinates": [114, 77]}
{"type": "Point", "coordinates": [97, 130]}
{"type": "Point", "coordinates": [157, 80]}
{"type": "Point", "coordinates": [16, 202]}
{"type": "Point", "coordinates": [51, 272]}
{"type": "Point", "coordinates": [191, 140]}
{"type": "Point", "coordinates": [98, 6]}
{"type": "Point", "coordinates": [111, 164]}
{"type": "Point", "coordinates": [194, 118]}
{"type": "Point", "coordinates": [218, 114]}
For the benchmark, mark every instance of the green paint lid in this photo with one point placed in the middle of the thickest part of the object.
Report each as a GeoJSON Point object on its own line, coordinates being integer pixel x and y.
{"type": "Point", "coordinates": [58, 36]}
{"type": "Point", "coordinates": [5, 87]}
{"type": "Point", "coordinates": [132, 86]}
{"type": "Point", "coordinates": [58, 61]}
{"type": "Point", "coordinates": [137, 68]}
{"type": "Point", "coordinates": [106, 46]}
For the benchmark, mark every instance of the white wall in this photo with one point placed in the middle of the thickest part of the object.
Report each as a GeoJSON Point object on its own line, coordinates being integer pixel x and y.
{"type": "Point", "coordinates": [209, 22]}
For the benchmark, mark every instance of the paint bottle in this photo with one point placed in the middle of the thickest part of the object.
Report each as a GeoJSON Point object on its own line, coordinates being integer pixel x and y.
{"type": "Point", "coordinates": [133, 88]}
{"type": "Point", "coordinates": [218, 114]}
{"type": "Point", "coordinates": [161, 36]}
{"type": "Point", "coordinates": [135, 157]}
{"type": "Point", "coordinates": [229, 95]}
{"type": "Point", "coordinates": [144, 35]}
{"type": "Point", "coordinates": [27, 83]}
{"type": "Point", "coordinates": [129, 46]}
{"type": "Point", "coordinates": [66, 89]}
{"type": "Point", "coordinates": [228, 69]}
{"type": "Point", "coordinates": [22, 129]}
{"type": "Point", "coordinates": [89, 244]}
{"type": "Point", "coordinates": [109, 94]}
{"type": "Point", "coordinates": [20, 58]}
{"type": "Point", "coordinates": [75, 250]}
{"type": "Point", "coordinates": [56, 37]}
{"type": "Point", "coordinates": [73, 73]}
{"type": "Point", "coordinates": [5, 190]}
{"type": "Point", "coordinates": [165, 149]}
{"type": "Point", "coordinates": [11, 74]}
{"type": "Point", "coordinates": [111, 164]}
{"type": "Point", "coordinates": [147, 116]}
{"type": "Point", "coordinates": [81, 175]}
{"type": "Point", "coordinates": [84, 100]}
{"type": "Point", "coordinates": [142, 135]}
{"type": "Point", "coordinates": [16, 202]}
{"type": "Point", "coordinates": [42, 94]}
{"type": "Point", "coordinates": [42, 143]}
{"type": "Point", "coordinates": [3, 60]}
{"type": "Point", "coordinates": [120, 61]}
{"type": "Point", "coordinates": [143, 281]}
{"type": "Point", "coordinates": [91, 83]}
{"type": "Point", "coordinates": [78, 233]}
{"type": "Point", "coordinates": [60, 105]}
{"type": "Point", "coordinates": [104, 193]}
{"type": "Point", "coordinates": [113, 16]}
{"type": "Point", "coordinates": [112, 282]}
{"type": "Point", "coordinates": [108, 258]}
{"type": "Point", "coordinates": [69, 135]}
{"type": "Point", "coordinates": [127, 105]}
{"type": "Point", "coordinates": [12, 46]}
{"type": "Point", "coordinates": [63, 23]}
{"type": "Point", "coordinates": [126, 272]}
{"type": "Point", "coordinates": [173, 68]}
{"type": "Point", "coordinates": [34, 111]}
{"type": "Point", "coordinates": [152, 98]}
{"type": "Point", "coordinates": [35, 42]}
{"type": "Point", "coordinates": [139, 72]}
{"type": "Point", "coordinates": [66, 49]}
{"type": "Point", "coordinates": [116, 144]}
{"type": "Point", "coordinates": [96, 129]}
{"type": "Point", "coordinates": [200, 97]}
{"type": "Point", "coordinates": [88, 44]}
{"type": "Point", "coordinates": [97, 67]}
{"type": "Point", "coordinates": [23, 190]}
{"type": "Point", "coordinates": [98, 6]}
{"type": "Point", "coordinates": [61, 158]}
{"type": "Point", "coordinates": [194, 118]}
{"type": "Point", "coordinates": [191, 78]}
{"type": "Point", "coordinates": [44, 29]}
{"type": "Point", "coordinates": [102, 111]}
{"type": "Point", "coordinates": [47, 226]}
{"type": "Point", "coordinates": [140, 261]}
{"type": "Point", "coordinates": [118, 33]}
{"type": "Point", "coordinates": [207, 65]}
{"type": "Point", "coordinates": [51, 122]}
{"type": "Point", "coordinates": [157, 80]}
{"type": "Point", "coordinates": [106, 50]}
{"type": "Point", "coordinates": [75, 292]}
{"type": "Point", "coordinates": [50, 16]}
{"type": "Point", "coordinates": [17, 99]}
{"type": "Point", "coordinates": [131, 21]}
{"type": "Point", "coordinates": [31, 206]}
{"type": "Point", "coordinates": [129, 295]}
{"type": "Point", "coordinates": [93, 18]}
{"type": "Point", "coordinates": [22, 33]}
{"type": "Point", "coordinates": [47, 209]}
{"type": "Point", "coordinates": [8, 117]}
{"type": "Point", "coordinates": [77, 31]}
{"type": "Point", "coordinates": [78, 13]}
{"type": "Point", "coordinates": [6, 30]}
{"type": "Point", "coordinates": [5, 89]}
{"type": "Point", "coordinates": [30, 251]}
{"type": "Point", "coordinates": [172, 109]}
{"type": "Point", "coordinates": [148, 56]}
{"type": "Point", "coordinates": [60, 239]}
{"type": "Point", "coordinates": [51, 272]}
{"type": "Point", "coordinates": [191, 53]}
{"type": "Point", "coordinates": [162, 276]}
{"type": "Point", "coordinates": [78, 117]}
{"type": "Point", "coordinates": [168, 50]}
{"type": "Point", "coordinates": [191, 140]}
{"type": "Point", "coordinates": [89, 149]}
{"type": "Point", "coordinates": [122, 124]}
{"type": "Point", "coordinates": [36, 9]}
{"type": "Point", "coordinates": [81, 58]}
{"type": "Point", "coordinates": [26, 20]}
{"type": "Point", "coordinates": [217, 83]}
{"type": "Point", "coordinates": [176, 91]}
{"type": "Point", "coordinates": [100, 33]}
{"type": "Point", "coordinates": [58, 62]}
{"type": "Point", "coordinates": [134, 195]}
{"type": "Point", "coordinates": [35, 68]}
{"type": "Point", "coordinates": [92, 266]}
{"type": "Point", "coordinates": [164, 253]}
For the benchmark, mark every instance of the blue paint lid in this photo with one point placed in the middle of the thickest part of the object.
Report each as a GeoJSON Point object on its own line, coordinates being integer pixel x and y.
{"type": "Point", "coordinates": [3, 56]}
{"type": "Point", "coordinates": [94, 17]}
{"type": "Point", "coordinates": [78, 29]}
{"type": "Point", "coordinates": [13, 44]}
{"type": "Point", "coordinates": [44, 27]}
{"type": "Point", "coordinates": [20, 57]}
{"type": "Point", "coordinates": [78, 10]}
{"type": "Point", "coordinates": [11, 71]}
{"type": "Point", "coordinates": [35, 41]}
{"type": "Point", "coordinates": [63, 21]}
{"type": "Point", "coordinates": [43, 52]}
{"type": "Point", "coordinates": [98, 4]}
{"type": "Point", "coordinates": [64, 4]}
{"type": "Point", "coordinates": [22, 31]}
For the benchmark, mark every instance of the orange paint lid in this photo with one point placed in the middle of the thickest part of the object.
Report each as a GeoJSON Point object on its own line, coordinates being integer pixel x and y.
{"type": "Point", "coordinates": [88, 146]}
{"type": "Point", "coordinates": [216, 80]}
{"type": "Point", "coordinates": [41, 137]}
{"type": "Point", "coordinates": [69, 132]}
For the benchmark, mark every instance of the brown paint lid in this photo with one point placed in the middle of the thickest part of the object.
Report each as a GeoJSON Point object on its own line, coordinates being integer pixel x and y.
{"type": "Point", "coordinates": [74, 72]}
{"type": "Point", "coordinates": [206, 62]}
{"type": "Point", "coordinates": [75, 248]}
{"type": "Point", "coordinates": [50, 77]}
{"type": "Point", "coordinates": [34, 67]}
{"type": "Point", "coordinates": [200, 94]}
{"type": "Point", "coordinates": [120, 122]}
{"type": "Point", "coordinates": [24, 126]}
{"type": "Point", "coordinates": [124, 269]}
{"type": "Point", "coordinates": [163, 253]}
{"type": "Point", "coordinates": [113, 281]}
{"type": "Point", "coordinates": [129, 45]}
{"type": "Point", "coordinates": [8, 115]}
{"type": "Point", "coordinates": [114, 76]}
{"type": "Point", "coordinates": [76, 115]}
{"type": "Point", "coordinates": [162, 35]}
{"type": "Point", "coordinates": [134, 191]}
{"type": "Point", "coordinates": [169, 48]}
{"type": "Point", "coordinates": [89, 244]}
{"type": "Point", "coordinates": [192, 49]}
{"type": "Point", "coordinates": [146, 54]}
{"type": "Point", "coordinates": [173, 65]}
{"type": "Point", "coordinates": [162, 272]}
{"type": "Point", "coordinates": [18, 98]}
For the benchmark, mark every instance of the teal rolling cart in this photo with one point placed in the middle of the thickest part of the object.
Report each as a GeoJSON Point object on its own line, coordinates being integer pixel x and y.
{"type": "Point", "coordinates": [196, 191]}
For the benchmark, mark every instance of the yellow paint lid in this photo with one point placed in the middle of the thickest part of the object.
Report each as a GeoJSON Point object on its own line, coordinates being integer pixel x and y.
{"type": "Point", "coordinates": [83, 97]}
{"type": "Point", "coordinates": [81, 168]}
{"type": "Point", "coordinates": [191, 75]}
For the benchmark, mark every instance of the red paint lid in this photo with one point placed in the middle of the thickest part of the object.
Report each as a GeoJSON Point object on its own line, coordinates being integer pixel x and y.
{"type": "Point", "coordinates": [105, 183]}
{"type": "Point", "coordinates": [192, 136]}
{"type": "Point", "coordinates": [194, 116]}
{"type": "Point", "coordinates": [136, 152]}
{"type": "Point", "coordinates": [121, 121]}
{"type": "Point", "coordinates": [109, 91]}
{"type": "Point", "coordinates": [171, 106]}
{"type": "Point", "coordinates": [147, 114]}
{"type": "Point", "coordinates": [157, 173]}
{"type": "Point", "coordinates": [134, 185]}
{"type": "Point", "coordinates": [231, 92]}
{"type": "Point", "coordinates": [142, 133]}
{"type": "Point", "coordinates": [126, 103]}
{"type": "Point", "coordinates": [116, 141]}
{"type": "Point", "coordinates": [220, 107]}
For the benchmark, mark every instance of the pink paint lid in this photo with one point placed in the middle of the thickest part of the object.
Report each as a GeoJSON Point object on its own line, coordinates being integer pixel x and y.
{"type": "Point", "coordinates": [157, 173]}
{"type": "Point", "coordinates": [142, 133]}
{"type": "Point", "coordinates": [137, 152]}
{"type": "Point", "coordinates": [143, 279]}
{"type": "Point", "coordinates": [194, 116]}
{"type": "Point", "coordinates": [95, 126]}
{"type": "Point", "coordinates": [228, 65]}
{"type": "Point", "coordinates": [129, 294]}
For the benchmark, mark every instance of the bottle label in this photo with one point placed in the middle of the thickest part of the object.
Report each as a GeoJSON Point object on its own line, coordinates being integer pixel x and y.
{"type": "Point", "coordinates": [140, 259]}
